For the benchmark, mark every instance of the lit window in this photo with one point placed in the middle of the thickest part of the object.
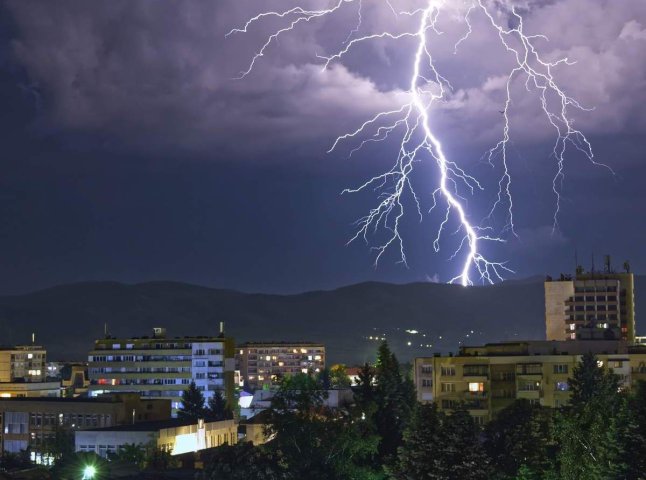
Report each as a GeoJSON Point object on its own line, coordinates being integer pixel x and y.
{"type": "Point", "coordinates": [562, 386]}
{"type": "Point", "coordinates": [304, 370]}
{"type": "Point", "coordinates": [476, 387]}
{"type": "Point", "coordinates": [317, 357]}
{"type": "Point", "coordinates": [30, 355]}
{"type": "Point", "coordinates": [268, 358]}
{"type": "Point", "coordinates": [572, 326]}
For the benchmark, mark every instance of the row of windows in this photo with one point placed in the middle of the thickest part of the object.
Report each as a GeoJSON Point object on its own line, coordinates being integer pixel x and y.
{"type": "Point", "coordinates": [140, 358]}
{"type": "Point", "coordinates": [139, 370]}
{"type": "Point", "coordinates": [143, 381]}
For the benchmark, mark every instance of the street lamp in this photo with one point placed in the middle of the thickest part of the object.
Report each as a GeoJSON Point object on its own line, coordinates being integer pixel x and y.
{"type": "Point", "coordinates": [89, 472]}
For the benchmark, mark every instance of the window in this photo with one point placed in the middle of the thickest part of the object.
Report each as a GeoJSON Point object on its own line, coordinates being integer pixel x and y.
{"type": "Point", "coordinates": [617, 364]}
{"type": "Point", "coordinates": [448, 387]}
{"type": "Point", "coordinates": [427, 369]}
{"type": "Point", "coordinates": [562, 386]}
{"type": "Point", "coordinates": [427, 382]}
{"type": "Point", "coordinates": [448, 371]}
{"type": "Point", "coordinates": [479, 420]}
{"type": "Point", "coordinates": [560, 368]}
{"type": "Point", "coordinates": [476, 387]}
{"type": "Point", "coordinates": [448, 404]}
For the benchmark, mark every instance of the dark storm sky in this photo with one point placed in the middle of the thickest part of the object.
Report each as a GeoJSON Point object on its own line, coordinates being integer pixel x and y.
{"type": "Point", "coordinates": [130, 153]}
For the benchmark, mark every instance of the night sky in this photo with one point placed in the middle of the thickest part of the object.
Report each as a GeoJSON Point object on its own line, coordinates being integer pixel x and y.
{"type": "Point", "coordinates": [130, 152]}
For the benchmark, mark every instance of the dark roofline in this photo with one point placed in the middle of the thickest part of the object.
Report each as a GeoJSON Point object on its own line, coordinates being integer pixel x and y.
{"type": "Point", "coordinates": [281, 343]}
{"type": "Point", "coordinates": [154, 426]}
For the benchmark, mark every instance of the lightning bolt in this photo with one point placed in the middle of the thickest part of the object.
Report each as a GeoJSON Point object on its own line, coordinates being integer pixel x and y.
{"type": "Point", "coordinates": [418, 140]}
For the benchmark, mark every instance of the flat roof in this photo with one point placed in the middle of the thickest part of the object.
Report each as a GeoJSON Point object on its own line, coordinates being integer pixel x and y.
{"type": "Point", "coordinates": [281, 344]}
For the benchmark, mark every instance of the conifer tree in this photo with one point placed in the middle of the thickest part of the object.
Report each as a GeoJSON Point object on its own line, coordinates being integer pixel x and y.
{"type": "Point", "coordinates": [592, 431]}
{"type": "Point", "coordinates": [217, 408]}
{"type": "Point", "coordinates": [192, 403]}
{"type": "Point", "coordinates": [395, 400]}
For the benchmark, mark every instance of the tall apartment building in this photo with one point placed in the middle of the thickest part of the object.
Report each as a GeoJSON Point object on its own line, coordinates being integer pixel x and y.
{"type": "Point", "coordinates": [27, 423]}
{"type": "Point", "coordinates": [23, 363]}
{"type": "Point", "coordinates": [23, 372]}
{"type": "Point", "coordinates": [262, 363]}
{"type": "Point", "coordinates": [161, 367]}
{"type": "Point", "coordinates": [490, 377]}
{"type": "Point", "coordinates": [591, 306]}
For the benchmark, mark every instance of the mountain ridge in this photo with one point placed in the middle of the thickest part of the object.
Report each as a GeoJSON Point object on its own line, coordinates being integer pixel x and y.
{"type": "Point", "coordinates": [68, 318]}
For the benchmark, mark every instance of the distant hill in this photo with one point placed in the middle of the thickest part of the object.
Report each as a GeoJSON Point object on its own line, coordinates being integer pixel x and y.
{"type": "Point", "coordinates": [66, 319]}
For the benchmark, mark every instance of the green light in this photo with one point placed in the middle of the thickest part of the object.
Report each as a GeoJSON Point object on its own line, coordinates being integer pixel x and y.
{"type": "Point", "coordinates": [89, 472]}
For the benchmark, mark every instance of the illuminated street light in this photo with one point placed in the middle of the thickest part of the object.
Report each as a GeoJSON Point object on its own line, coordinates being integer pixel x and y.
{"type": "Point", "coordinates": [89, 472]}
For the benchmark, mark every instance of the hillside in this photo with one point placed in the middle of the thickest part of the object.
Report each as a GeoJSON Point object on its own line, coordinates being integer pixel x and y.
{"type": "Point", "coordinates": [66, 319]}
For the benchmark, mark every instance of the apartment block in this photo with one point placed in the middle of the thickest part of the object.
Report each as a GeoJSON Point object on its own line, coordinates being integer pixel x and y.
{"type": "Point", "coordinates": [23, 363]}
{"type": "Point", "coordinates": [161, 367]}
{"type": "Point", "coordinates": [27, 423]}
{"type": "Point", "coordinates": [594, 305]}
{"type": "Point", "coordinates": [486, 379]}
{"type": "Point", "coordinates": [262, 363]}
{"type": "Point", "coordinates": [23, 373]}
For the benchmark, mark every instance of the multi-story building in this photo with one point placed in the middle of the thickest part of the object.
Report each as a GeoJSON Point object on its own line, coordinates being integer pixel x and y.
{"type": "Point", "coordinates": [161, 367]}
{"type": "Point", "coordinates": [488, 378]}
{"type": "Point", "coordinates": [28, 423]}
{"type": "Point", "coordinates": [23, 373]}
{"type": "Point", "coordinates": [591, 306]}
{"type": "Point", "coordinates": [23, 363]}
{"type": "Point", "coordinates": [262, 363]}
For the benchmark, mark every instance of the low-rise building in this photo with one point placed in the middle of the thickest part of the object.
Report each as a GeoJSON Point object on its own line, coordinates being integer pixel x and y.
{"type": "Point", "coordinates": [161, 367]}
{"type": "Point", "coordinates": [27, 423]}
{"type": "Point", "coordinates": [175, 436]}
{"type": "Point", "coordinates": [488, 378]}
{"type": "Point", "coordinates": [262, 363]}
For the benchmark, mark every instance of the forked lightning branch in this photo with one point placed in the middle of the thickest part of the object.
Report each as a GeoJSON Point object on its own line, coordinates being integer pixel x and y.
{"type": "Point", "coordinates": [411, 124]}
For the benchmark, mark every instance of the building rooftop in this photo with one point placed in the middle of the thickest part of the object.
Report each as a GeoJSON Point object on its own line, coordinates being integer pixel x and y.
{"type": "Point", "coordinates": [549, 347]}
{"type": "Point", "coordinates": [282, 343]}
{"type": "Point", "coordinates": [145, 426]}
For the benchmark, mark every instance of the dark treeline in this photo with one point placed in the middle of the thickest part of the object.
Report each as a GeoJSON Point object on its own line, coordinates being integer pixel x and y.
{"type": "Point", "coordinates": [386, 434]}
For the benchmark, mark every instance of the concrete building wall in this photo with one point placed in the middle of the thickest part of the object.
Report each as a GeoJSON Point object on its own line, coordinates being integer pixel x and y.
{"type": "Point", "coordinates": [556, 294]}
{"type": "Point", "coordinates": [488, 383]}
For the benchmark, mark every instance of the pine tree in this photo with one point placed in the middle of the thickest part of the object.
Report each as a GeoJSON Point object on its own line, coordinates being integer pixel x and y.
{"type": "Point", "coordinates": [635, 441]}
{"type": "Point", "coordinates": [217, 408]}
{"type": "Point", "coordinates": [420, 444]}
{"type": "Point", "coordinates": [592, 432]}
{"type": "Point", "coordinates": [395, 400]}
{"type": "Point", "coordinates": [520, 436]}
{"type": "Point", "coordinates": [461, 455]}
{"type": "Point", "coordinates": [437, 446]}
{"type": "Point", "coordinates": [192, 403]}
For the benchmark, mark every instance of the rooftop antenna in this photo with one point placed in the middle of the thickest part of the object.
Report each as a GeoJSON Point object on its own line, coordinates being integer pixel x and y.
{"type": "Point", "coordinates": [221, 328]}
{"type": "Point", "coordinates": [592, 271]}
{"type": "Point", "coordinates": [33, 338]}
{"type": "Point", "coordinates": [608, 266]}
{"type": "Point", "coordinates": [576, 260]}
{"type": "Point", "coordinates": [105, 329]}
